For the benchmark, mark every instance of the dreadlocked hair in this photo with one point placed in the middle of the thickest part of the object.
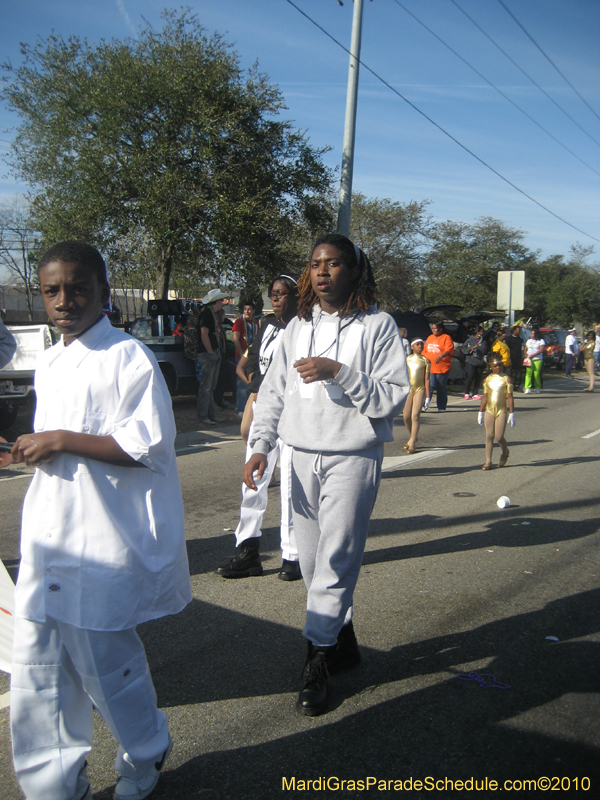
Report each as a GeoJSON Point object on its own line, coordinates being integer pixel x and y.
{"type": "Point", "coordinates": [362, 294]}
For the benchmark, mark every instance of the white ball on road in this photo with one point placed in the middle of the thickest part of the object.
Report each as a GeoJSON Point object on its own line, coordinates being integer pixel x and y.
{"type": "Point", "coordinates": [503, 502]}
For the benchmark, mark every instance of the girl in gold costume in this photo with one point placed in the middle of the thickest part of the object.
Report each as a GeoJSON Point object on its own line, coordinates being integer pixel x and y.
{"type": "Point", "coordinates": [497, 394]}
{"type": "Point", "coordinates": [420, 394]}
{"type": "Point", "coordinates": [588, 355]}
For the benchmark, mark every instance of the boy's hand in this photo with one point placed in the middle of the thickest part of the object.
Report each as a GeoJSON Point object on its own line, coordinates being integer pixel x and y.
{"type": "Point", "coordinates": [35, 448]}
{"type": "Point", "coordinates": [5, 458]}
{"type": "Point", "coordinates": [256, 463]}
{"type": "Point", "coordinates": [317, 369]}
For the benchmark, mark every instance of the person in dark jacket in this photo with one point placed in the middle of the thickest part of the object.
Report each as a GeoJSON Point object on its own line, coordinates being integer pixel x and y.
{"type": "Point", "coordinates": [515, 345]}
{"type": "Point", "coordinates": [475, 351]}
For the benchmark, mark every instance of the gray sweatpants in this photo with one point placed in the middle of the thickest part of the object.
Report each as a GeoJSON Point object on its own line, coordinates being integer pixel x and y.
{"type": "Point", "coordinates": [332, 499]}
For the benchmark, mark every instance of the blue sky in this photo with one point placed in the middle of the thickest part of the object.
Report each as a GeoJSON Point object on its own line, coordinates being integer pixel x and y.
{"type": "Point", "coordinates": [399, 153]}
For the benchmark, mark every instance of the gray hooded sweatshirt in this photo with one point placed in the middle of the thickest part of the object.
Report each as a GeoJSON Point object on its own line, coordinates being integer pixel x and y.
{"type": "Point", "coordinates": [353, 412]}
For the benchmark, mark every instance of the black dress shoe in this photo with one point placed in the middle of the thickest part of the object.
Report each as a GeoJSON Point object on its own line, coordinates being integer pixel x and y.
{"type": "Point", "coordinates": [345, 654]}
{"type": "Point", "coordinates": [245, 563]}
{"type": "Point", "coordinates": [290, 571]}
{"type": "Point", "coordinates": [314, 697]}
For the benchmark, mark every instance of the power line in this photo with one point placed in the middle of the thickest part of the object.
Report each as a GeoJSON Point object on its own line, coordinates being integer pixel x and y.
{"type": "Point", "coordinates": [546, 56]}
{"type": "Point", "coordinates": [439, 127]}
{"type": "Point", "coordinates": [504, 95]}
{"type": "Point", "coordinates": [542, 90]}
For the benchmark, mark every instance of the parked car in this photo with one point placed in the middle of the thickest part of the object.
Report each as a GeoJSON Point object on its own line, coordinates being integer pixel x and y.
{"type": "Point", "coordinates": [16, 377]}
{"type": "Point", "coordinates": [555, 346]}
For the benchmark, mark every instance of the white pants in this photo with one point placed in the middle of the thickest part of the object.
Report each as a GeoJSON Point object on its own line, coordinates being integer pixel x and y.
{"type": "Point", "coordinates": [254, 504]}
{"type": "Point", "coordinates": [58, 672]}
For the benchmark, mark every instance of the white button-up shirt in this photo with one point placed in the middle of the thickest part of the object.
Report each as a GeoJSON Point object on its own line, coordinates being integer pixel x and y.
{"type": "Point", "coordinates": [571, 347]}
{"type": "Point", "coordinates": [103, 546]}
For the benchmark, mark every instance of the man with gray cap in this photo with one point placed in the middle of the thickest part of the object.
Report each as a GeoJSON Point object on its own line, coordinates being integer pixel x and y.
{"type": "Point", "coordinates": [209, 354]}
{"type": "Point", "coordinates": [571, 351]}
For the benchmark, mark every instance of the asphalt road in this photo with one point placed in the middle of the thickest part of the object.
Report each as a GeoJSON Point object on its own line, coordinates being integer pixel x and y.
{"type": "Point", "coordinates": [452, 589]}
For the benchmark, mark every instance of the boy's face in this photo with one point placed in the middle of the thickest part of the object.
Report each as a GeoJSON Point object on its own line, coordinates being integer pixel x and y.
{"type": "Point", "coordinates": [248, 313]}
{"type": "Point", "coordinates": [330, 277]}
{"type": "Point", "coordinates": [73, 295]}
{"type": "Point", "coordinates": [417, 348]}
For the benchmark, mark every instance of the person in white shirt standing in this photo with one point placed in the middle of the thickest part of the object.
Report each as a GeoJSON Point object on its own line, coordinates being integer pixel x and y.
{"type": "Point", "coordinates": [102, 545]}
{"type": "Point", "coordinates": [571, 352]}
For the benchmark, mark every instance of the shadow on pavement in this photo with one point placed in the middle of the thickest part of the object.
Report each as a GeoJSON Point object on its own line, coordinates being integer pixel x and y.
{"type": "Point", "coordinates": [450, 728]}
{"type": "Point", "coordinates": [508, 532]}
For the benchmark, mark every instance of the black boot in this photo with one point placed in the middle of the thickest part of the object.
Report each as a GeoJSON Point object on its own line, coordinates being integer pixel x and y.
{"type": "Point", "coordinates": [345, 654]}
{"type": "Point", "coordinates": [290, 571]}
{"type": "Point", "coordinates": [313, 698]}
{"type": "Point", "coordinates": [245, 563]}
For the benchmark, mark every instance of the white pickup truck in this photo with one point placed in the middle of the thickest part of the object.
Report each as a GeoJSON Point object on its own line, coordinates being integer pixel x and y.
{"type": "Point", "coordinates": [16, 378]}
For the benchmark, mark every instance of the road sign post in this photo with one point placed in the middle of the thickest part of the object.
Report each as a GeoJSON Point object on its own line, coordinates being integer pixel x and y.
{"type": "Point", "coordinates": [511, 292]}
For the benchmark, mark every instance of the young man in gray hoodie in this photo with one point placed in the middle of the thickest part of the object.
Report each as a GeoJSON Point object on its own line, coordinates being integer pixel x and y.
{"type": "Point", "coordinates": [335, 385]}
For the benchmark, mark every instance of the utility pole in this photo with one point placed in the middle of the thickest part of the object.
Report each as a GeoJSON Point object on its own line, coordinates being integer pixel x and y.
{"type": "Point", "coordinates": [343, 225]}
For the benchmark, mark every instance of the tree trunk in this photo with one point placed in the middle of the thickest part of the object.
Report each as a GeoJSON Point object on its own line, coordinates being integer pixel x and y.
{"type": "Point", "coordinates": [163, 272]}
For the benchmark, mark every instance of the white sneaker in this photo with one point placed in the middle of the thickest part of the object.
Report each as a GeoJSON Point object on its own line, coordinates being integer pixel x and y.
{"type": "Point", "coordinates": [527, 391]}
{"type": "Point", "coordinates": [129, 789]}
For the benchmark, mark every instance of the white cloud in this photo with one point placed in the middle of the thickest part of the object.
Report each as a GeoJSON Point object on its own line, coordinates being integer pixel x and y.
{"type": "Point", "coordinates": [126, 17]}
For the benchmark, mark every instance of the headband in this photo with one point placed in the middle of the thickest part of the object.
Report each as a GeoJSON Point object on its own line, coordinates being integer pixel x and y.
{"type": "Point", "coordinates": [289, 277]}
{"type": "Point", "coordinates": [414, 341]}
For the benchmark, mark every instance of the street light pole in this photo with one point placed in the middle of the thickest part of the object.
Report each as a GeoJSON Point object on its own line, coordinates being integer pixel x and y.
{"type": "Point", "coordinates": [343, 225]}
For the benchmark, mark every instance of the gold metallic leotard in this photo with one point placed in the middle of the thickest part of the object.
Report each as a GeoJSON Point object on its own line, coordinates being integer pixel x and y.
{"type": "Point", "coordinates": [418, 367]}
{"type": "Point", "coordinates": [496, 387]}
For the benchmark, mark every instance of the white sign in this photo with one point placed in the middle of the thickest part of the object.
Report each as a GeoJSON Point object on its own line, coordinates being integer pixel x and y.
{"type": "Point", "coordinates": [511, 290]}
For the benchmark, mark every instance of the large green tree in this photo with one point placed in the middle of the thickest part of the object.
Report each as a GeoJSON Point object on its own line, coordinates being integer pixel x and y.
{"type": "Point", "coordinates": [561, 291]}
{"type": "Point", "coordinates": [394, 236]}
{"type": "Point", "coordinates": [463, 264]}
{"type": "Point", "coordinates": [163, 138]}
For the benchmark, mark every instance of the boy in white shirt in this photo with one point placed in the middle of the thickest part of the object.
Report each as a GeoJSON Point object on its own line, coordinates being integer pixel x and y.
{"type": "Point", "coordinates": [102, 547]}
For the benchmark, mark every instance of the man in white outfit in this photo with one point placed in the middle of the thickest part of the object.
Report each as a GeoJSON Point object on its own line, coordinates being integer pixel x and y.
{"type": "Point", "coordinates": [571, 352]}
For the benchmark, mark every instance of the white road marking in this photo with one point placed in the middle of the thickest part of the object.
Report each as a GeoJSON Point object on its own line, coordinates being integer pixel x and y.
{"type": "Point", "coordinates": [589, 436]}
{"type": "Point", "coordinates": [5, 700]}
{"type": "Point", "coordinates": [401, 462]}
{"type": "Point", "coordinates": [17, 477]}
